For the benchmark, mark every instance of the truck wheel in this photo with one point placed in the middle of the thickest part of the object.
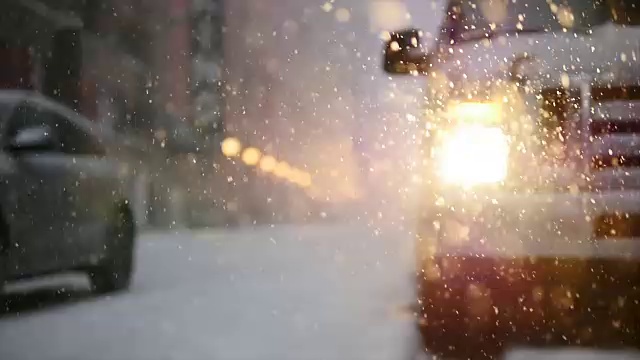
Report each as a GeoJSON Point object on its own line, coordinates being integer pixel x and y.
{"type": "Point", "coordinates": [454, 344]}
{"type": "Point", "coordinates": [115, 272]}
{"type": "Point", "coordinates": [447, 332]}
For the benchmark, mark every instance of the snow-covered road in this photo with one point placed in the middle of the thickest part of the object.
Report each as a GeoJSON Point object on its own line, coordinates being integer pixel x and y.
{"type": "Point", "coordinates": [289, 292]}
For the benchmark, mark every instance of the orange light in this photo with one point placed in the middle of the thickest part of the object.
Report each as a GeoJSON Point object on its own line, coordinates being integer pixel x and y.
{"type": "Point", "coordinates": [251, 156]}
{"type": "Point", "coordinates": [293, 175]}
{"type": "Point", "coordinates": [231, 147]}
{"type": "Point", "coordinates": [268, 163]}
{"type": "Point", "coordinates": [305, 179]}
{"type": "Point", "coordinates": [282, 170]}
{"type": "Point", "coordinates": [298, 177]}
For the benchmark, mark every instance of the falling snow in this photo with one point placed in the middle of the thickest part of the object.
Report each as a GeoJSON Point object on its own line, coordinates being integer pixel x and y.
{"type": "Point", "coordinates": [503, 136]}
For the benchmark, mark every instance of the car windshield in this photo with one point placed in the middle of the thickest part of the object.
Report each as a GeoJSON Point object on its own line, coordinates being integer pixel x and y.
{"type": "Point", "coordinates": [472, 19]}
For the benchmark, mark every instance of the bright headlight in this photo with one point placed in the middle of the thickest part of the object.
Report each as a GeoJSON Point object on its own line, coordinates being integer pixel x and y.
{"type": "Point", "coordinates": [472, 155]}
{"type": "Point", "coordinates": [486, 113]}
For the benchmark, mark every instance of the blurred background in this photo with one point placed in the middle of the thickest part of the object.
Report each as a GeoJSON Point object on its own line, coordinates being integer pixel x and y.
{"type": "Point", "coordinates": [240, 117]}
{"type": "Point", "coordinates": [275, 169]}
{"type": "Point", "coordinates": [296, 81]}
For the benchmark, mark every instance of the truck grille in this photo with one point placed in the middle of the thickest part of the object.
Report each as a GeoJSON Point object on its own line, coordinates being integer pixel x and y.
{"type": "Point", "coordinates": [613, 226]}
{"type": "Point", "coordinates": [605, 139]}
{"type": "Point", "coordinates": [615, 127]}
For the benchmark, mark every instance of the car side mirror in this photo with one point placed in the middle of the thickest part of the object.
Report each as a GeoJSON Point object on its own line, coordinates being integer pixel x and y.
{"type": "Point", "coordinates": [404, 53]}
{"type": "Point", "coordinates": [32, 139]}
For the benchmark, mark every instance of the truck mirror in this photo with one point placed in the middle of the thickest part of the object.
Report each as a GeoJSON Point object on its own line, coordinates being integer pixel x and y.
{"type": "Point", "coordinates": [404, 53]}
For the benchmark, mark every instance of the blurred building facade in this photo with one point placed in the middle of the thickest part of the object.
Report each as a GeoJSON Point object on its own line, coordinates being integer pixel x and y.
{"type": "Point", "coordinates": [151, 69]}
{"type": "Point", "coordinates": [297, 79]}
{"type": "Point", "coordinates": [306, 79]}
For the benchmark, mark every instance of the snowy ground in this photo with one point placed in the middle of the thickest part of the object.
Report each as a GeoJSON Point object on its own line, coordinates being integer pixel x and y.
{"type": "Point", "coordinates": [313, 292]}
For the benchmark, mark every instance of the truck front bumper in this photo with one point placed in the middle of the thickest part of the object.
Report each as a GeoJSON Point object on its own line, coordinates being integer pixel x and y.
{"type": "Point", "coordinates": [535, 269]}
{"type": "Point", "coordinates": [535, 300]}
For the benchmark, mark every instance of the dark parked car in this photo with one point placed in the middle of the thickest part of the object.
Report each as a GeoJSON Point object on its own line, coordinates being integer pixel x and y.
{"type": "Point", "coordinates": [63, 195]}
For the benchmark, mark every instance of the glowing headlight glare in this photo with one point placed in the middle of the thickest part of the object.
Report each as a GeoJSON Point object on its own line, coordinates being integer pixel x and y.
{"type": "Point", "coordinates": [472, 155]}
{"type": "Point", "coordinates": [476, 112]}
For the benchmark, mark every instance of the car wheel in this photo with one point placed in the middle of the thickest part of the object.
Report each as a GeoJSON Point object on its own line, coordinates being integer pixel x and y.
{"type": "Point", "coordinates": [4, 247]}
{"type": "Point", "coordinates": [3, 277]}
{"type": "Point", "coordinates": [115, 271]}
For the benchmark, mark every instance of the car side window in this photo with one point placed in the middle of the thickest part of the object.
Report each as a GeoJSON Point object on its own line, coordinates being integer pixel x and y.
{"type": "Point", "coordinates": [25, 115]}
{"type": "Point", "coordinates": [73, 139]}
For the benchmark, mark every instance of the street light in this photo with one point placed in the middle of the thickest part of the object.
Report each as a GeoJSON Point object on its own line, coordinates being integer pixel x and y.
{"type": "Point", "coordinates": [268, 163]}
{"type": "Point", "coordinates": [231, 147]}
{"type": "Point", "coordinates": [251, 156]}
{"type": "Point", "coordinates": [282, 170]}
{"type": "Point", "coordinates": [305, 180]}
